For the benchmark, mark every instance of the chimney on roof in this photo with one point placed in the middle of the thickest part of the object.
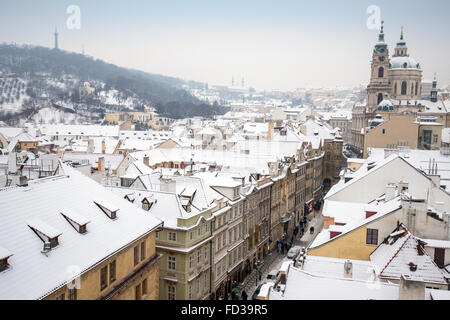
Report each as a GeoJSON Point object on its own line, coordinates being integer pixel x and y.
{"type": "Point", "coordinates": [410, 289]}
{"type": "Point", "coordinates": [91, 146]}
{"type": "Point", "coordinates": [103, 147]}
{"type": "Point", "coordinates": [146, 161]}
{"type": "Point", "coordinates": [101, 162]}
{"type": "Point", "coordinates": [390, 192]}
{"type": "Point", "coordinates": [20, 181]}
{"type": "Point", "coordinates": [435, 178]}
{"type": "Point", "coordinates": [270, 131]}
{"type": "Point", "coordinates": [168, 185]}
{"type": "Point", "coordinates": [348, 269]}
{"type": "Point", "coordinates": [439, 206]}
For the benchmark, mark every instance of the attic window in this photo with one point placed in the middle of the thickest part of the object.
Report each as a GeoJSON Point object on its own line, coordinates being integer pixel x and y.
{"type": "Point", "coordinates": [77, 221]}
{"type": "Point", "coordinates": [188, 193]}
{"type": "Point", "coordinates": [109, 209]}
{"type": "Point", "coordinates": [147, 203]}
{"type": "Point", "coordinates": [334, 234]}
{"type": "Point", "coordinates": [130, 197]}
{"type": "Point", "coordinates": [45, 232]}
{"type": "Point", "coordinates": [4, 255]}
{"type": "Point", "coordinates": [370, 213]}
{"type": "Point", "coordinates": [186, 204]}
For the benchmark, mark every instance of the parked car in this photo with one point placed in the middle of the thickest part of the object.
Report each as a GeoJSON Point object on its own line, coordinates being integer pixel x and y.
{"type": "Point", "coordinates": [272, 276]}
{"type": "Point", "coordinates": [256, 293]}
{"type": "Point", "coordinates": [294, 252]}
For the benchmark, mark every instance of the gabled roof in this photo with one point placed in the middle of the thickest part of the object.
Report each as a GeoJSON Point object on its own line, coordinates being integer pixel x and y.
{"type": "Point", "coordinates": [10, 133]}
{"type": "Point", "coordinates": [401, 250]}
{"type": "Point", "coordinates": [33, 275]}
{"type": "Point", "coordinates": [166, 206]}
{"type": "Point", "coordinates": [42, 227]}
{"type": "Point", "coordinates": [360, 174]}
{"type": "Point", "coordinates": [354, 222]}
{"type": "Point", "coordinates": [75, 216]}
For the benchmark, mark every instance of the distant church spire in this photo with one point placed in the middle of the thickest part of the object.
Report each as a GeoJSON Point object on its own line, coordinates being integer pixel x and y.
{"type": "Point", "coordinates": [56, 39]}
{"type": "Point", "coordinates": [434, 90]}
{"type": "Point", "coordinates": [381, 35]}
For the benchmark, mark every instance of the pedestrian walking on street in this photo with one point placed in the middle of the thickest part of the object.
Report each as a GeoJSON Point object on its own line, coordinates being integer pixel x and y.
{"type": "Point", "coordinates": [236, 293]}
{"type": "Point", "coordinates": [278, 246]}
{"type": "Point", "coordinates": [244, 295]}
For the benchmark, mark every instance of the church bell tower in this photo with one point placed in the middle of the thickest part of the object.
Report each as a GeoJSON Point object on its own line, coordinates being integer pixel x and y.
{"type": "Point", "coordinates": [56, 39]}
{"type": "Point", "coordinates": [379, 77]}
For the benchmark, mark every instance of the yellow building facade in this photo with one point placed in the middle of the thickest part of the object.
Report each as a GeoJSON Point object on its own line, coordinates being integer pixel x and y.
{"type": "Point", "coordinates": [130, 274]}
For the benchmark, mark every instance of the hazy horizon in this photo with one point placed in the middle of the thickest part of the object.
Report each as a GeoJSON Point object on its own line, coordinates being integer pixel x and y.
{"type": "Point", "coordinates": [273, 46]}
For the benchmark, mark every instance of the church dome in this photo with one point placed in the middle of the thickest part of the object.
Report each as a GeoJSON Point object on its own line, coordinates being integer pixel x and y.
{"type": "Point", "coordinates": [386, 105]}
{"type": "Point", "coordinates": [404, 63]}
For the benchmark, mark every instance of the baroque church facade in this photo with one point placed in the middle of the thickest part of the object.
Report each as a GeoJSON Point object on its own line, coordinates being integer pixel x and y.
{"type": "Point", "coordinates": [396, 78]}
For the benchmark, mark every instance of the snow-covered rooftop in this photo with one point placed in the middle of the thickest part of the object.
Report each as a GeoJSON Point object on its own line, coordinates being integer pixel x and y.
{"type": "Point", "coordinates": [32, 274]}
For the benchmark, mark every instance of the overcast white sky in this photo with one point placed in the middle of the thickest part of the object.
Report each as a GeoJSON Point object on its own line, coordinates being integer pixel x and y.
{"type": "Point", "coordinates": [272, 44]}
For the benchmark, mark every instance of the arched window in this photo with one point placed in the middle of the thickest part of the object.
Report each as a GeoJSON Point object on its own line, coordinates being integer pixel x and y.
{"type": "Point", "coordinates": [395, 88]}
{"type": "Point", "coordinates": [404, 87]}
{"type": "Point", "coordinates": [380, 98]}
{"type": "Point", "coordinates": [417, 88]}
{"type": "Point", "coordinates": [412, 88]}
{"type": "Point", "coordinates": [380, 72]}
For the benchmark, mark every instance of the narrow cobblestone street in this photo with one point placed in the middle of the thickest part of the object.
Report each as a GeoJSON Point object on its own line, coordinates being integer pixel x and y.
{"type": "Point", "coordinates": [275, 259]}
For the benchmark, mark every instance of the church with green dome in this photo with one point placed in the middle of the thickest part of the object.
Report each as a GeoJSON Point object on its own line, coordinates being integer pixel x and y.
{"type": "Point", "coordinates": [395, 87]}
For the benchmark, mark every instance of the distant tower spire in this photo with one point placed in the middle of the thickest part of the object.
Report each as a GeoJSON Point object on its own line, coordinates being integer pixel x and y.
{"type": "Point", "coordinates": [401, 50]}
{"type": "Point", "coordinates": [381, 35]}
{"type": "Point", "coordinates": [56, 39]}
{"type": "Point", "coordinates": [434, 90]}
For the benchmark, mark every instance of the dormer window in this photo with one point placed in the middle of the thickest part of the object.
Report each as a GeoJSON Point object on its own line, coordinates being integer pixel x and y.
{"type": "Point", "coordinates": [130, 197]}
{"type": "Point", "coordinates": [109, 209]}
{"type": "Point", "coordinates": [186, 204]}
{"type": "Point", "coordinates": [4, 255]}
{"type": "Point", "coordinates": [45, 232]}
{"type": "Point", "coordinates": [147, 203]}
{"type": "Point", "coordinates": [77, 221]}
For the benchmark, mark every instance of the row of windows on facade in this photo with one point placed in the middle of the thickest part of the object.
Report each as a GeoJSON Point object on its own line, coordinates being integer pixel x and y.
{"type": "Point", "coordinates": [336, 146]}
{"type": "Point", "coordinates": [199, 257]}
{"type": "Point", "coordinates": [110, 269]}
{"type": "Point", "coordinates": [329, 157]}
{"type": "Point", "coordinates": [172, 235]}
{"type": "Point", "coordinates": [232, 259]}
{"type": "Point", "coordinates": [404, 91]}
{"type": "Point", "coordinates": [234, 213]}
{"type": "Point", "coordinates": [172, 260]}
{"type": "Point", "coordinates": [196, 286]}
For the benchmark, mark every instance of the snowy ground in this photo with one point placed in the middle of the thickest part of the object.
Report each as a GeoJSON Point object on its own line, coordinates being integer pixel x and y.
{"type": "Point", "coordinates": [52, 115]}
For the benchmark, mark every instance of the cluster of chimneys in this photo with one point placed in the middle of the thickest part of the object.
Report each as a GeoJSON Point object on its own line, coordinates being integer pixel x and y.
{"type": "Point", "coordinates": [432, 166]}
